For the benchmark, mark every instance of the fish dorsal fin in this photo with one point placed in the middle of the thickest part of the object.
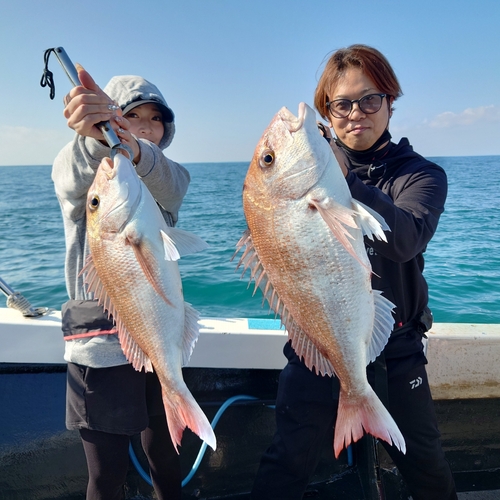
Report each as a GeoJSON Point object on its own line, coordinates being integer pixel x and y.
{"type": "Point", "coordinates": [184, 242]}
{"type": "Point", "coordinates": [134, 354]}
{"type": "Point", "coordinates": [338, 218]}
{"type": "Point", "coordinates": [250, 260]}
{"type": "Point", "coordinates": [301, 343]}
{"type": "Point", "coordinates": [191, 332]}
{"type": "Point", "coordinates": [307, 350]}
{"type": "Point", "coordinates": [383, 323]}
{"type": "Point", "coordinates": [371, 222]}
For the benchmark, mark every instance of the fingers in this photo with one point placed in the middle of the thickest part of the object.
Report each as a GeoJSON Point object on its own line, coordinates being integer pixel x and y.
{"type": "Point", "coordinates": [87, 105]}
{"type": "Point", "coordinates": [88, 93]}
{"type": "Point", "coordinates": [86, 80]}
{"type": "Point", "coordinates": [324, 131]}
{"type": "Point", "coordinates": [122, 125]}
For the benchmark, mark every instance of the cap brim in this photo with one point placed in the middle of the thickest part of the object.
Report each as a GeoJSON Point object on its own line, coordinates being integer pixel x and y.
{"type": "Point", "coordinates": [168, 115]}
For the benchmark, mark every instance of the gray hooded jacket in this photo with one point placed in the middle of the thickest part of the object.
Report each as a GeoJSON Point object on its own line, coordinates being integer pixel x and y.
{"type": "Point", "coordinates": [73, 173]}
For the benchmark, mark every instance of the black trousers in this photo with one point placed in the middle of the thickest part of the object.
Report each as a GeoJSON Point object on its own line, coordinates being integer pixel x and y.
{"type": "Point", "coordinates": [306, 411]}
{"type": "Point", "coordinates": [107, 406]}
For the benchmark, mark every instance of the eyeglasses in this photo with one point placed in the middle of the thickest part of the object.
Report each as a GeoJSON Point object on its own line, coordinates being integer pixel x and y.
{"type": "Point", "coordinates": [369, 104]}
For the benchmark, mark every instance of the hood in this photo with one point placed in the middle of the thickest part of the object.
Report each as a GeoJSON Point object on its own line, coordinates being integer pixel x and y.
{"type": "Point", "coordinates": [129, 88]}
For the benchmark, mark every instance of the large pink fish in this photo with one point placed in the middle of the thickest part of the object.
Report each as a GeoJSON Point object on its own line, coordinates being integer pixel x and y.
{"type": "Point", "coordinates": [305, 249]}
{"type": "Point", "coordinates": [133, 272]}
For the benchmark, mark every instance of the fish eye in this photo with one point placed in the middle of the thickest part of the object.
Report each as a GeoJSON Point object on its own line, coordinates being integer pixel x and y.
{"type": "Point", "coordinates": [94, 202]}
{"type": "Point", "coordinates": [267, 158]}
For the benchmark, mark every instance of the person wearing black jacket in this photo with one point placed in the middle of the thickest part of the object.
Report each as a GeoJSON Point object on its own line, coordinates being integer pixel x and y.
{"type": "Point", "coordinates": [355, 95]}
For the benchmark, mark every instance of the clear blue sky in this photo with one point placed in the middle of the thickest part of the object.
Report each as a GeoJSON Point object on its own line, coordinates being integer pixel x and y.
{"type": "Point", "coordinates": [227, 66]}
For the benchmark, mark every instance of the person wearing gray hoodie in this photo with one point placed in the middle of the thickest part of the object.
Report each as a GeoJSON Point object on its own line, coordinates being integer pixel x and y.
{"type": "Point", "coordinates": [107, 399]}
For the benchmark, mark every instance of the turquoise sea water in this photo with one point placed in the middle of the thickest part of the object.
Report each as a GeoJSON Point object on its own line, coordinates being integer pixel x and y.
{"type": "Point", "coordinates": [462, 261]}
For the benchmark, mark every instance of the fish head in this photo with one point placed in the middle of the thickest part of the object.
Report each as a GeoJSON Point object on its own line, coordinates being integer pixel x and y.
{"type": "Point", "coordinates": [289, 159]}
{"type": "Point", "coordinates": [112, 198]}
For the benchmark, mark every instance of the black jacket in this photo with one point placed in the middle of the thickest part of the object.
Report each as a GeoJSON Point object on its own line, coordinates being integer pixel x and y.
{"type": "Point", "coordinates": [409, 192]}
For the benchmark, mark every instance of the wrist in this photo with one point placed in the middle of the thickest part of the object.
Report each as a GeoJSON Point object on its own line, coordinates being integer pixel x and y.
{"type": "Point", "coordinates": [137, 152]}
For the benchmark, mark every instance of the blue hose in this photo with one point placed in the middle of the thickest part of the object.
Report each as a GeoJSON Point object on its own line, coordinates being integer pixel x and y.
{"type": "Point", "coordinates": [203, 448]}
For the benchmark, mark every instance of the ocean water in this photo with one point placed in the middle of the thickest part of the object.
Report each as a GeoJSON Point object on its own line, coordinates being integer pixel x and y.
{"type": "Point", "coordinates": [462, 260]}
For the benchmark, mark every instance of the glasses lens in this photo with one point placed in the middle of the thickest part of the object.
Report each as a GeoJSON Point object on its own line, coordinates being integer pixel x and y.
{"type": "Point", "coordinates": [340, 108]}
{"type": "Point", "coordinates": [370, 103]}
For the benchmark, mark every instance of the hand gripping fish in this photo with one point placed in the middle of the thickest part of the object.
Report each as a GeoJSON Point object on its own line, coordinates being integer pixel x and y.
{"type": "Point", "coordinates": [133, 273]}
{"type": "Point", "coordinates": [304, 247]}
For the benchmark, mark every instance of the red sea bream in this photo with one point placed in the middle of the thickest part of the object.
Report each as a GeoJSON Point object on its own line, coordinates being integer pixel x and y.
{"type": "Point", "coordinates": [133, 272]}
{"type": "Point", "coordinates": [304, 246]}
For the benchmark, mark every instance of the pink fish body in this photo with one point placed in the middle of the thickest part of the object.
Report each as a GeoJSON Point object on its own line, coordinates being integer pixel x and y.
{"type": "Point", "coordinates": [305, 249]}
{"type": "Point", "coordinates": [134, 274]}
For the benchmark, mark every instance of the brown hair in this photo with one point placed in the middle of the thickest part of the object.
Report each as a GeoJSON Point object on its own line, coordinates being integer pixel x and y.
{"type": "Point", "coordinates": [372, 62]}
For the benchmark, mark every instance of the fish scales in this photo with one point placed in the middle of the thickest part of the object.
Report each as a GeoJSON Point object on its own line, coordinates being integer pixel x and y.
{"type": "Point", "coordinates": [306, 251]}
{"type": "Point", "coordinates": [132, 271]}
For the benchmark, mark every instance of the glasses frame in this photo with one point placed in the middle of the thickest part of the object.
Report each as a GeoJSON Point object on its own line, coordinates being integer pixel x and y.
{"type": "Point", "coordinates": [359, 101]}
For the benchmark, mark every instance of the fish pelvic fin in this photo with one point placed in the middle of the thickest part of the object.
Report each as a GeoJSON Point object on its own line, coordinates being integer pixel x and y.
{"type": "Point", "coordinates": [171, 252]}
{"type": "Point", "coordinates": [134, 354]}
{"type": "Point", "coordinates": [372, 224]}
{"type": "Point", "coordinates": [183, 411]}
{"type": "Point", "coordinates": [383, 323]}
{"type": "Point", "coordinates": [178, 243]}
{"type": "Point", "coordinates": [366, 414]}
{"type": "Point", "coordinates": [191, 332]}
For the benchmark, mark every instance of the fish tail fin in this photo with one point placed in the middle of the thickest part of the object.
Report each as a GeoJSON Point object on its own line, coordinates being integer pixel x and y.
{"type": "Point", "coordinates": [365, 415]}
{"type": "Point", "coordinates": [185, 412]}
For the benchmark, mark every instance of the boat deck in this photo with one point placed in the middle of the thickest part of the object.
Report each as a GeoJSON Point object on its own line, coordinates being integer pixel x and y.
{"type": "Point", "coordinates": [237, 357]}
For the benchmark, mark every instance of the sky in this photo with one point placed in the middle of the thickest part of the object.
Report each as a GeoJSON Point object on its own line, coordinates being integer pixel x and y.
{"type": "Point", "coordinates": [227, 66]}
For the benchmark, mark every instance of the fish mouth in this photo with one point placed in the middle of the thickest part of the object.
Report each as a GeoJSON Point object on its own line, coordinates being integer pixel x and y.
{"type": "Point", "coordinates": [290, 121]}
{"type": "Point", "coordinates": [108, 169]}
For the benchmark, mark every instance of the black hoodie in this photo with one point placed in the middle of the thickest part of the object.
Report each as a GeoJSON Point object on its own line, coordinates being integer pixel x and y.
{"type": "Point", "coordinates": [409, 192]}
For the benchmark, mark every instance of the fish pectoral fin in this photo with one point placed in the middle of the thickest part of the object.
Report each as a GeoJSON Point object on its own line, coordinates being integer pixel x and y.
{"type": "Point", "coordinates": [185, 242]}
{"type": "Point", "coordinates": [145, 256]}
{"type": "Point", "coordinates": [338, 218]}
{"type": "Point", "coordinates": [191, 332]}
{"type": "Point", "coordinates": [371, 222]}
{"type": "Point", "coordinates": [383, 323]}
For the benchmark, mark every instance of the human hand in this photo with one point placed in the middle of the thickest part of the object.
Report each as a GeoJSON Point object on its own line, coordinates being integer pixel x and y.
{"type": "Point", "coordinates": [325, 131]}
{"type": "Point", "coordinates": [123, 133]}
{"type": "Point", "coordinates": [87, 105]}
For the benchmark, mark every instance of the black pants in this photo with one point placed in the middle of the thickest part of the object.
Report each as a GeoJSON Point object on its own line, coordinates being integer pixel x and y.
{"type": "Point", "coordinates": [107, 406]}
{"type": "Point", "coordinates": [108, 462]}
{"type": "Point", "coordinates": [306, 411]}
